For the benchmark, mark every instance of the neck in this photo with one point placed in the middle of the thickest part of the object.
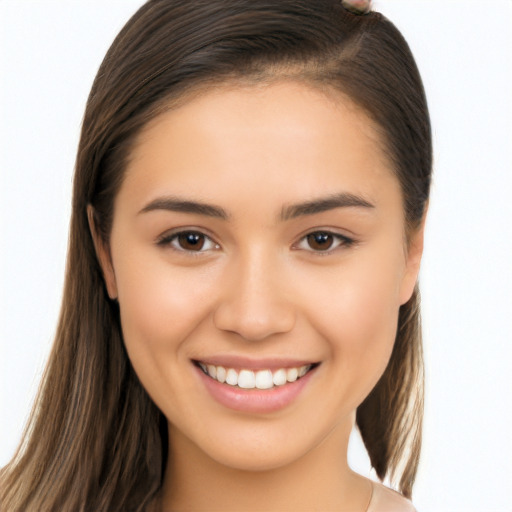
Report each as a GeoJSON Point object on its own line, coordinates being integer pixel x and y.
{"type": "Point", "coordinates": [319, 480]}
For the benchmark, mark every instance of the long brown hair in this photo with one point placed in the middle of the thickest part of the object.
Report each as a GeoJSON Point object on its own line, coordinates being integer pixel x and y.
{"type": "Point", "coordinates": [95, 440]}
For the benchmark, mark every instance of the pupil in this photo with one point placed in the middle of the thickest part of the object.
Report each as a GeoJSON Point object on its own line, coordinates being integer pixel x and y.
{"type": "Point", "coordinates": [191, 241]}
{"type": "Point", "coordinates": [320, 241]}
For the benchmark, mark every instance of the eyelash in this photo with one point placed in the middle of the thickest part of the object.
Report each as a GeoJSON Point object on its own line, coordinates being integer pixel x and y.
{"type": "Point", "coordinates": [168, 240]}
{"type": "Point", "coordinates": [338, 242]}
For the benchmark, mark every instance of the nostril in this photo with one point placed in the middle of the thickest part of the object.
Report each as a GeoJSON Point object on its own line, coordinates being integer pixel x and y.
{"type": "Point", "coordinates": [252, 324]}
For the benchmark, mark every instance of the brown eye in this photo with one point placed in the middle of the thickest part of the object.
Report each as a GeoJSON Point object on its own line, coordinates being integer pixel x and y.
{"type": "Point", "coordinates": [320, 241]}
{"type": "Point", "coordinates": [188, 242]}
{"type": "Point", "coordinates": [191, 241]}
{"type": "Point", "coordinates": [324, 242]}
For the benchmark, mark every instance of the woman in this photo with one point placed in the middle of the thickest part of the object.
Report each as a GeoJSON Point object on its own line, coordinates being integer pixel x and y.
{"type": "Point", "coordinates": [249, 202]}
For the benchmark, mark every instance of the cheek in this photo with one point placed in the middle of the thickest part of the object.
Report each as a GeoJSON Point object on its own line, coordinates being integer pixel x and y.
{"type": "Point", "coordinates": [367, 323]}
{"type": "Point", "coordinates": [357, 313]}
{"type": "Point", "coordinates": [160, 305]}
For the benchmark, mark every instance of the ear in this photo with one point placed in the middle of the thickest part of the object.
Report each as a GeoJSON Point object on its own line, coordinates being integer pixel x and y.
{"type": "Point", "coordinates": [413, 260]}
{"type": "Point", "coordinates": [103, 255]}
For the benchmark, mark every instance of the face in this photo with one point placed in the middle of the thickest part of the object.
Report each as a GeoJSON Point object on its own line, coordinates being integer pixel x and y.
{"type": "Point", "coordinates": [259, 236]}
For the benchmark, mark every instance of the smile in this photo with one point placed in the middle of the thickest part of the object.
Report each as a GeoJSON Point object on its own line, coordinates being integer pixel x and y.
{"type": "Point", "coordinates": [260, 379]}
{"type": "Point", "coordinates": [255, 387]}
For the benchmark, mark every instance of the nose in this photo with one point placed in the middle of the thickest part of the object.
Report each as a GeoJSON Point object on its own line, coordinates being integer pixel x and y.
{"type": "Point", "coordinates": [254, 302]}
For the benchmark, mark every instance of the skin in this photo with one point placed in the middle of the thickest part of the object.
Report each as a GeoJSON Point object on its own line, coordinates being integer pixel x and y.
{"type": "Point", "coordinates": [259, 289]}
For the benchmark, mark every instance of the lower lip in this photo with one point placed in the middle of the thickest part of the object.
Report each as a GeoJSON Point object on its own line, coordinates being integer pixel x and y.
{"type": "Point", "coordinates": [255, 400]}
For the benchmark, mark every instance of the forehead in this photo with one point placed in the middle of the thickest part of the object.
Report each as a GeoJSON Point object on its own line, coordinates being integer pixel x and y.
{"type": "Point", "coordinates": [292, 137]}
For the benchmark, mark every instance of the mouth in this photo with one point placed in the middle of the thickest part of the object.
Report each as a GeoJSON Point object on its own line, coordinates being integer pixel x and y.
{"type": "Point", "coordinates": [255, 386]}
{"type": "Point", "coordinates": [260, 379]}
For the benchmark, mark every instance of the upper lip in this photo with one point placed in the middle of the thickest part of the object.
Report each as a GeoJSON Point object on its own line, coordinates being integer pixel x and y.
{"type": "Point", "coordinates": [247, 363]}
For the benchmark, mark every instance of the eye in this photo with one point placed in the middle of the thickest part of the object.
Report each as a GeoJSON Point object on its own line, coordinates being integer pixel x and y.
{"type": "Point", "coordinates": [323, 241]}
{"type": "Point", "coordinates": [188, 241]}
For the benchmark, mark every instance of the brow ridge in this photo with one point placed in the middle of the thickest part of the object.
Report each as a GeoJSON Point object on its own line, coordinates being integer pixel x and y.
{"type": "Point", "coordinates": [181, 205]}
{"type": "Point", "coordinates": [175, 204]}
{"type": "Point", "coordinates": [340, 200]}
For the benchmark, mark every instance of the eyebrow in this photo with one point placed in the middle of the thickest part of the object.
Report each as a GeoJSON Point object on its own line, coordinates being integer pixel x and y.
{"type": "Point", "coordinates": [341, 200]}
{"type": "Point", "coordinates": [175, 204]}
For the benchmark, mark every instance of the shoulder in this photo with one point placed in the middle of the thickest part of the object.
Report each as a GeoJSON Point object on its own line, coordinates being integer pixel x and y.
{"type": "Point", "coordinates": [385, 499]}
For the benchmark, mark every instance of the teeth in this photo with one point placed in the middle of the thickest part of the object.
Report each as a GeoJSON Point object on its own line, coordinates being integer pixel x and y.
{"type": "Point", "coordinates": [221, 374]}
{"type": "Point", "coordinates": [292, 374]}
{"type": "Point", "coordinates": [264, 379]}
{"type": "Point", "coordinates": [303, 370]}
{"type": "Point", "coordinates": [279, 377]}
{"type": "Point", "coordinates": [247, 379]}
{"type": "Point", "coordinates": [231, 377]}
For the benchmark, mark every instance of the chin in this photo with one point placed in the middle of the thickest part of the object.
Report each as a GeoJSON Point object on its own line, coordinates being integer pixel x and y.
{"type": "Point", "coordinates": [254, 460]}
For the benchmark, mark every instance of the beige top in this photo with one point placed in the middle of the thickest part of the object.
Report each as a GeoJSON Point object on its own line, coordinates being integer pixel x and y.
{"type": "Point", "coordinates": [385, 499]}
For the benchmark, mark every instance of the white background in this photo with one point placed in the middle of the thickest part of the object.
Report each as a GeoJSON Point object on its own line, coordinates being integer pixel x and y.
{"type": "Point", "coordinates": [50, 51]}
